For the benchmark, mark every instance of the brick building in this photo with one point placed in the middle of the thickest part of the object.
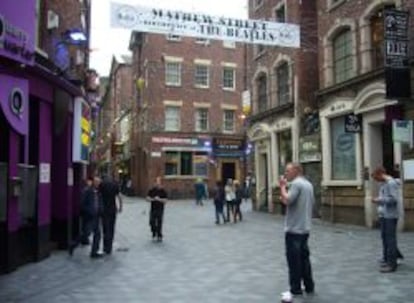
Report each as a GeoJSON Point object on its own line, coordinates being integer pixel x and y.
{"type": "Point", "coordinates": [351, 72]}
{"type": "Point", "coordinates": [283, 82]}
{"type": "Point", "coordinates": [187, 112]}
{"type": "Point", "coordinates": [113, 121]}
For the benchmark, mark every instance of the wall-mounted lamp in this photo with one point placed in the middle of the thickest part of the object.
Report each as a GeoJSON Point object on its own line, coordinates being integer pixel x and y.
{"type": "Point", "coordinates": [140, 82]}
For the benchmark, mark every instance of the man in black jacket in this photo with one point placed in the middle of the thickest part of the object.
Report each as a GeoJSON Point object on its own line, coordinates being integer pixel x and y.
{"type": "Point", "coordinates": [110, 193]}
{"type": "Point", "coordinates": [158, 197]}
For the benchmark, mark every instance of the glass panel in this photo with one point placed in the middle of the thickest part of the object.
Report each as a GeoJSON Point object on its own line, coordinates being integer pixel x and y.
{"type": "Point", "coordinates": [202, 119]}
{"type": "Point", "coordinates": [229, 120]}
{"type": "Point", "coordinates": [262, 93]}
{"type": "Point", "coordinates": [200, 160]}
{"type": "Point", "coordinates": [284, 141]}
{"type": "Point", "coordinates": [228, 77]}
{"type": "Point", "coordinates": [172, 118]}
{"type": "Point", "coordinates": [343, 151]}
{"type": "Point", "coordinates": [342, 47]}
{"type": "Point", "coordinates": [186, 163]}
{"type": "Point", "coordinates": [173, 73]}
{"type": "Point", "coordinates": [201, 75]}
{"type": "Point", "coordinates": [171, 163]}
{"type": "Point", "coordinates": [283, 90]}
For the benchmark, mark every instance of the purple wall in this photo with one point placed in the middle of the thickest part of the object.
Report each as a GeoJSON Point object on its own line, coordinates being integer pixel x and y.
{"type": "Point", "coordinates": [20, 16]}
{"type": "Point", "coordinates": [45, 156]}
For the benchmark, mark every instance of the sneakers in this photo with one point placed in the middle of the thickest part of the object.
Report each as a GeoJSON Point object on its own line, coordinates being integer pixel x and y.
{"type": "Point", "coordinates": [387, 269]}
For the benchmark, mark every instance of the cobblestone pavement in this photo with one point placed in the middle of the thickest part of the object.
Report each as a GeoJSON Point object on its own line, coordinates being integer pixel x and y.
{"type": "Point", "coordinates": [201, 262]}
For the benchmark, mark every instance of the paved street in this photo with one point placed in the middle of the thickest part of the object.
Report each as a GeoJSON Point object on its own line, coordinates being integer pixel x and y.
{"type": "Point", "coordinates": [202, 262]}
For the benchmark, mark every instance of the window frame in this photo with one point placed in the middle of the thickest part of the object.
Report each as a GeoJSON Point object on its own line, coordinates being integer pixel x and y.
{"type": "Point", "coordinates": [178, 75]}
{"type": "Point", "coordinates": [199, 117]}
{"type": "Point", "coordinates": [283, 91]}
{"type": "Point", "coordinates": [173, 38]}
{"type": "Point", "coordinates": [179, 163]}
{"type": "Point", "coordinates": [207, 67]}
{"type": "Point", "coordinates": [233, 69]}
{"type": "Point", "coordinates": [345, 44]}
{"type": "Point", "coordinates": [225, 121]}
{"type": "Point", "coordinates": [262, 94]}
{"type": "Point", "coordinates": [167, 127]}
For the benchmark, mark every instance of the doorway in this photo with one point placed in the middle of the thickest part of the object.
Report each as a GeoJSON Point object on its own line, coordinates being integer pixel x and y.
{"type": "Point", "coordinates": [228, 171]}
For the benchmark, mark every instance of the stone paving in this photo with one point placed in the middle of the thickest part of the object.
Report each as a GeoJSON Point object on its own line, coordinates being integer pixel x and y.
{"type": "Point", "coordinates": [201, 262]}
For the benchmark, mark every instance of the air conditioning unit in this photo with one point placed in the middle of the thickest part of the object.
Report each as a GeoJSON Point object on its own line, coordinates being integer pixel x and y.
{"type": "Point", "coordinates": [52, 20]}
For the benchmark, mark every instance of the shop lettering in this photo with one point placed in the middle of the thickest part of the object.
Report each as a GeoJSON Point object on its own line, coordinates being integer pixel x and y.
{"type": "Point", "coordinates": [17, 50]}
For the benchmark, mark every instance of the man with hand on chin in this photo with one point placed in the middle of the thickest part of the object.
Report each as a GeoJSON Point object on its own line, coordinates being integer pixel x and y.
{"type": "Point", "coordinates": [299, 201]}
{"type": "Point", "coordinates": [157, 196]}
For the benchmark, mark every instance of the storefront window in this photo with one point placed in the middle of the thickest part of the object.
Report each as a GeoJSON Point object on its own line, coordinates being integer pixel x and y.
{"type": "Point", "coordinates": [343, 151]}
{"type": "Point", "coordinates": [284, 141]}
{"type": "Point", "coordinates": [186, 163]}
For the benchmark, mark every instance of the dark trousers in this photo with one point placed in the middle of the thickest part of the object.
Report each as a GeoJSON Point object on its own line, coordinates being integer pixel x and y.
{"type": "Point", "coordinates": [389, 241]}
{"type": "Point", "coordinates": [219, 211]}
{"type": "Point", "coordinates": [85, 231]}
{"type": "Point", "coordinates": [300, 269]}
{"type": "Point", "coordinates": [156, 217]}
{"type": "Point", "coordinates": [96, 232]}
{"type": "Point", "coordinates": [237, 211]}
{"type": "Point", "coordinates": [108, 224]}
{"type": "Point", "coordinates": [230, 209]}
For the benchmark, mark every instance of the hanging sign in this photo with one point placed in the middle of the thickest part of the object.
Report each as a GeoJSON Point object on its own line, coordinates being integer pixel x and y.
{"type": "Point", "coordinates": [162, 21]}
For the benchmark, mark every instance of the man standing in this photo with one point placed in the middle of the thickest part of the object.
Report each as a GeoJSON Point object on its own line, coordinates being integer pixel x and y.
{"type": "Point", "coordinates": [158, 197]}
{"type": "Point", "coordinates": [299, 202]}
{"type": "Point", "coordinates": [388, 201]}
{"type": "Point", "coordinates": [110, 193]}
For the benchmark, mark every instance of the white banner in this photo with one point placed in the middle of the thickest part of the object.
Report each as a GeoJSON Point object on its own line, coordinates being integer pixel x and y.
{"type": "Point", "coordinates": [163, 21]}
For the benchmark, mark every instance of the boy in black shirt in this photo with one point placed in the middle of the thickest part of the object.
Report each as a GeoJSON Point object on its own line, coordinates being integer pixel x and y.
{"type": "Point", "coordinates": [158, 197]}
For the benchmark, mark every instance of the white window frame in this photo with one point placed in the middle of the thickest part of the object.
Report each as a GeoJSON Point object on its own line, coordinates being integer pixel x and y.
{"type": "Point", "coordinates": [332, 110]}
{"type": "Point", "coordinates": [198, 118]}
{"type": "Point", "coordinates": [173, 38]}
{"type": "Point", "coordinates": [227, 66]}
{"type": "Point", "coordinates": [167, 126]}
{"type": "Point", "coordinates": [233, 130]}
{"type": "Point", "coordinates": [171, 60]}
{"type": "Point", "coordinates": [198, 85]}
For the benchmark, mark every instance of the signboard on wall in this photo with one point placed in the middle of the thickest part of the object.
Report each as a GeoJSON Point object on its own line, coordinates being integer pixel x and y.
{"type": "Point", "coordinates": [396, 54]}
{"type": "Point", "coordinates": [81, 130]}
{"type": "Point", "coordinates": [162, 21]}
{"type": "Point", "coordinates": [353, 123]}
{"type": "Point", "coordinates": [310, 149]}
{"type": "Point", "coordinates": [402, 131]}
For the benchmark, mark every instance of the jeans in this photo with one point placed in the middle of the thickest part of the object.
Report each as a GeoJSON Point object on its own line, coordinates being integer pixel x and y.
{"type": "Point", "coordinates": [96, 230]}
{"type": "Point", "coordinates": [156, 222]}
{"type": "Point", "coordinates": [230, 209]}
{"type": "Point", "coordinates": [109, 220]}
{"type": "Point", "coordinates": [219, 212]}
{"type": "Point", "coordinates": [237, 211]}
{"type": "Point", "coordinates": [297, 255]}
{"type": "Point", "coordinates": [389, 241]}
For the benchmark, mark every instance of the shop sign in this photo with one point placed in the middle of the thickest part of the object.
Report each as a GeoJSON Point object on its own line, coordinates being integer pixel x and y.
{"type": "Point", "coordinates": [163, 21]}
{"type": "Point", "coordinates": [14, 102]}
{"type": "Point", "coordinates": [172, 140]}
{"type": "Point", "coordinates": [228, 144]}
{"type": "Point", "coordinates": [81, 130]}
{"type": "Point", "coordinates": [17, 30]}
{"type": "Point", "coordinates": [310, 149]}
{"type": "Point", "coordinates": [353, 123]}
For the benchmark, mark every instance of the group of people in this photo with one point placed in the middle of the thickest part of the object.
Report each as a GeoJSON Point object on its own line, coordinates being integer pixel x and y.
{"type": "Point", "coordinates": [99, 204]}
{"type": "Point", "coordinates": [230, 195]}
{"type": "Point", "coordinates": [297, 194]}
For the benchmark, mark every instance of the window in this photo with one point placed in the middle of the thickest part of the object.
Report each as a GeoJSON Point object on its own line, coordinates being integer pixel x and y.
{"type": "Point", "coordinates": [262, 93]}
{"type": "Point", "coordinates": [284, 142]}
{"type": "Point", "coordinates": [342, 56]}
{"type": "Point", "coordinates": [203, 41]}
{"type": "Point", "coordinates": [228, 78]}
{"type": "Point", "coordinates": [229, 121]}
{"type": "Point", "coordinates": [202, 120]}
{"type": "Point", "coordinates": [171, 37]}
{"type": "Point", "coordinates": [172, 118]}
{"type": "Point", "coordinates": [186, 163]}
{"type": "Point", "coordinates": [283, 85]}
{"type": "Point", "coordinates": [343, 151]}
{"type": "Point", "coordinates": [201, 76]}
{"type": "Point", "coordinates": [229, 44]}
{"type": "Point", "coordinates": [281, 14]}
{"type": "Point", "coordinates": [173, 73]}
{"type": "Point", "coordinates": [258, 3]}
{"type": "Point", "coordinates": [377, 37]}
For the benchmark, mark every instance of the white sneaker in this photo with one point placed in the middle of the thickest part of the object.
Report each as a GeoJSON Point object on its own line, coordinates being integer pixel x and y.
{"type": "Point", "coordinates": [287, 297]}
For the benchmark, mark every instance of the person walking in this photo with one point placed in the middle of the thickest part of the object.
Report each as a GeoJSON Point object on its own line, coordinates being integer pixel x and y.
{"type": "Point", "coordinates": [110, 195]}
{"type": "Point", "coordinates": [200, 189]}
{"type": "Point", "coordinates": [157, 196]}
{"type": "Point", "coordinates": [93, 208]}
{"type": "Point", "coordinates": [299, 201]}
{"type": "Point", "coordinates": [238, 190]}
{"type": "Point", "coordinates": [230, 197]}
{"type": "Point", "coordinates": [218, 195]}
{"type": "Point", "coordinates": [388, 202]}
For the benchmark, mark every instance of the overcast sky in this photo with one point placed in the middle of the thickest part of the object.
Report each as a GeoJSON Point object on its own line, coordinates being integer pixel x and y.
{"type": "Point", "coordinates": [106, 41]}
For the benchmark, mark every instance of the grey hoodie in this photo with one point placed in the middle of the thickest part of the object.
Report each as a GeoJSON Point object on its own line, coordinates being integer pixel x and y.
{"type": "Point", "coordinates": [389, 199]}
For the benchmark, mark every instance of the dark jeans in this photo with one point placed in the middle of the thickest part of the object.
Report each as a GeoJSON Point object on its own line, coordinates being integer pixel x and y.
{"type": "Point", "coordinates": [219, 211]}
{"type": "Point", "coordinates": [96, 231]}
{"type": "Point", "coordinates": [156, 217]}
{"type": "Point", "coordinates": [108, 224]}
{"type": "Point", "coordinates": [85, 231]}
{"type": "Point", "coordinates": [297, 255]}
{"type": "Point", "coordinates": [230, 209]}
{"type": "Point", "coordinates": [237, 211]}
{"type": "Point", "coordinates": [389, 241]}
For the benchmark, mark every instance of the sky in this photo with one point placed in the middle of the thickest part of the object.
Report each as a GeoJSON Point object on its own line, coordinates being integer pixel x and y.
{"type": "Point", "coordinates": [107, 41]}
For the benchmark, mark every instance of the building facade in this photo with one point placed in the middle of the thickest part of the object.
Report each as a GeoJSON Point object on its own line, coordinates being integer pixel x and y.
{"type": "Point", "coordinates": [282, 81]}
{"type": "Point", "coordinates": [41, 159]}
{"type": "Point", "coordinates": [353, 86]}
{"type": "Point", "coordinates": [187, 112]}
